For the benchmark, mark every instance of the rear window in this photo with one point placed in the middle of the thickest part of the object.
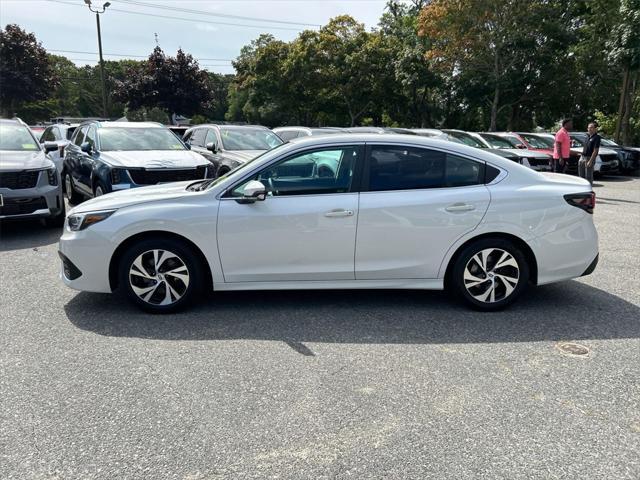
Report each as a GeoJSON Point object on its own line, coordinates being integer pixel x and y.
{"type": "Point", "coordinates": [408, 168]}
{"type": "Point", "coordinates": [140, 139]}
{"type": "Point", "coordinates": [17, 138]}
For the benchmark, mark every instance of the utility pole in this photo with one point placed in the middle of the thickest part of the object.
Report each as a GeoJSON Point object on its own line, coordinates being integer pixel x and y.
{"type": "Point", "coordinates": [104, 88]}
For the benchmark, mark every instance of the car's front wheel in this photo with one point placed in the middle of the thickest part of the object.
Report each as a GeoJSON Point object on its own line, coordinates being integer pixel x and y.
{"type": "Point", "coordinates": [490, 274]}
{"type": "Point", "coordinates": [161, 275]}
{"type": "Point", "coordinates": [70, 191]}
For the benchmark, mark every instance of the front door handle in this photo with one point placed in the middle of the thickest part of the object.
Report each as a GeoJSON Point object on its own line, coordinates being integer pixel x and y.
{"type": "Point", "coordinates": [460, 207]}
{"type": "Point", "coordinates": [339, 213]}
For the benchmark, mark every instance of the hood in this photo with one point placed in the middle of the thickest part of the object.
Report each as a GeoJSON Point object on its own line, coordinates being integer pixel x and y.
{"type": "Point", "coordinates": [35, 160]}
{"type": "Point", "coordinates": [134, 196]}
{"type": "Point", "coordinates": [561, 178]}
{"type": "Point", "coordinates": [154, 159]}
{"type": "Point", "coordinates": [241, 156]}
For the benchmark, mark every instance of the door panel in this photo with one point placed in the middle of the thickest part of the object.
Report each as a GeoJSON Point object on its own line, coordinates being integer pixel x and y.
{"type": "Point", "coordinates": [307, 237]}
{"type": "Point", "coordinates": [406, 234]}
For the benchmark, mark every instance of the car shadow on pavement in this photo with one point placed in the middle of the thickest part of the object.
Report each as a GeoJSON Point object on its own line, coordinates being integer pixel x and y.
{"type": "Point", "coordinates": [567, 311]}
{"type": "Point", "coordinates": [21, 235]}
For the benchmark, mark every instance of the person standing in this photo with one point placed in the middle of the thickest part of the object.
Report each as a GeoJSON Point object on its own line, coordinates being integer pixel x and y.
{"type": "Point", "coordinates": [589, 153]}
{"type": "Point", "coordinates": [562, 147]}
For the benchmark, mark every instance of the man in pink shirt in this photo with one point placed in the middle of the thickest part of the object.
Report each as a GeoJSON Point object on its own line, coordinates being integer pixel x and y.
{"type": "Point", "coordinates": [562, 147]}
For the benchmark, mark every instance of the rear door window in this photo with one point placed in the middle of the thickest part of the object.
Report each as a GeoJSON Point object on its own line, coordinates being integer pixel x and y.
{"type": "Point", "coordinates": [412, 168]}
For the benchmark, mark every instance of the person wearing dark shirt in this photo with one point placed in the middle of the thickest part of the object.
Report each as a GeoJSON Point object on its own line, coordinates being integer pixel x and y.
{"type": "Point", "coordinates": [589, 153]}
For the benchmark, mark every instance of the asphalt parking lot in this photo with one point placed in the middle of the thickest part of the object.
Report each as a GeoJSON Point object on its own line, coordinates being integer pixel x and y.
{"type": "Point", "coordinates": [378, 384]}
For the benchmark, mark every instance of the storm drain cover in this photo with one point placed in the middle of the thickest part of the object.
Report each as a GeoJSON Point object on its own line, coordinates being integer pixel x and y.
{"type": "Point", "coordinates": [574, 349]}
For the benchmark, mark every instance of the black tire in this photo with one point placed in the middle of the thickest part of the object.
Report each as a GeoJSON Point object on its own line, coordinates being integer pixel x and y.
{"type": "Point", "coordinates": [186, 256]}
{"type": "Point", "coordinates": [99, 187]}
{"type": "Point", "coordinates": [57, 221]}
{"type": "Point", "coordinates": [72, 196]}
{"type": "Point", "coordinates": [505, 291]}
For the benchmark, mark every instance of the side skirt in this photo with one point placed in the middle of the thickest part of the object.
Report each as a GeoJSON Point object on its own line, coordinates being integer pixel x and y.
{"type": "Point", "coordinates": [417, 284]}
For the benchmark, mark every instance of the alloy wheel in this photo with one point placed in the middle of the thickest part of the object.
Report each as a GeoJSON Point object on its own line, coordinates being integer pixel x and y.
{"type": "Point", "coordinates": [159, 277]}
{"type": "Point", "coordinates": [68, 186]}
{"type": "Point", "coordinates": [491, 275]}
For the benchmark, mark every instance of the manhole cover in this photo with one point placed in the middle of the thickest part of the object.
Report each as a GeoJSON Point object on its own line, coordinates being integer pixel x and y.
{"type": "Point", "coordinates": [574, 349]}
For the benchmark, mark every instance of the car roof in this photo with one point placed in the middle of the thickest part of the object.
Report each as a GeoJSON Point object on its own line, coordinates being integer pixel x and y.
{"type": "Point", "coordinates": [13, 121]}
{"type": "Point", "coordinates": [229, 127]}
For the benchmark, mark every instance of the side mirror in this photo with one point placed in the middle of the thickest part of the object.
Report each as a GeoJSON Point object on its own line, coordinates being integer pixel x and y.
{"type": "Point", "coordinates": [86, 147]}
{"type": "Point", "coordinates": [253, 191]}
{"type": "Point", "coordinates": [50, 147]}
{"type": "Point", "coordinates": [212, 147]}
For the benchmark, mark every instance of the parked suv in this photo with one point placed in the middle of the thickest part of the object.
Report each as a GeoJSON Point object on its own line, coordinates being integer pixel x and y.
{"type": "Point", "coordinates": [229, 146]}
{"type": "Point", "coordinates": [30, 185]}
{"type": "Point", "coordinates": [535, 160]}
{"type": "Point", "coordinates": [108, 156]}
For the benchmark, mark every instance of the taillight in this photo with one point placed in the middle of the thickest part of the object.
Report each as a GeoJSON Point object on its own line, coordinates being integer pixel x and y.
{"type": "Point", "coordinates": [585, 201]}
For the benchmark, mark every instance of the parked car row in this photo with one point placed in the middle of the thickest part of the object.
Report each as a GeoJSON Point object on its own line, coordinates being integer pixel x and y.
{"type": "Point", "coordinates": [533, 150]}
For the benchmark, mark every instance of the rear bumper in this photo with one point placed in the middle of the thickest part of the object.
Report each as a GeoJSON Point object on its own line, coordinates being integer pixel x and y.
{"type": "Point", "coordinates": [567, 252]}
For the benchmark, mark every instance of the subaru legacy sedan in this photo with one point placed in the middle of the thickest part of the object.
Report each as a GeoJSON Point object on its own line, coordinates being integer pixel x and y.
{"type": "Point", "coordinates": [399, 212]}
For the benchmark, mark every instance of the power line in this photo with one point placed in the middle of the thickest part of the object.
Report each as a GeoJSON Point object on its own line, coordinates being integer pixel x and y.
{"type": "Point", "coordinates": [183, 18]}
{"type": "Point", "coordinates": [222, 15]}
{"type": "Point", "coordinates": [134, 56]}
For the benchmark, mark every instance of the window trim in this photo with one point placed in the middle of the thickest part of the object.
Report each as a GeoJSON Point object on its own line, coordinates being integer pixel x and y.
{"type": "Point", "coordinates": [353, 188]}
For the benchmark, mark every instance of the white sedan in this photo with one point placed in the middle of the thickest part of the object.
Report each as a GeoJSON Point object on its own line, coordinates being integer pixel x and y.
{"type": "Point", "coordinates": [398, 212]}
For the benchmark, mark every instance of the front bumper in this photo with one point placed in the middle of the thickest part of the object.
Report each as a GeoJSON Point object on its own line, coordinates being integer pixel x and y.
{"type": "Point", "coordinates": [89, 253]}
{"type": "Point", "coordinates": [43, 200]}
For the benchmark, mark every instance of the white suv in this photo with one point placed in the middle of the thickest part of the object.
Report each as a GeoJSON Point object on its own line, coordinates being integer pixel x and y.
{"type": "Point", "coordinates": [398, 212]}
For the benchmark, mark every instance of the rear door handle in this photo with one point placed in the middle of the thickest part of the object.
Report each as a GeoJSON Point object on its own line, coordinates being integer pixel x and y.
{"type": "Point", "coordinates": [339, 213]}
{"type": "Point", "coordinates": [460, 207]}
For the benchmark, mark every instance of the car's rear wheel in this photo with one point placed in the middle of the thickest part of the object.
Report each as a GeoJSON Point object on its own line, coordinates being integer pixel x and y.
{"type": "Point", "coordinates": [161, 275]}
{"type": "Point", "coordinates": [490, 274]}
{"type": "Point", "coordinates": [73, 196]}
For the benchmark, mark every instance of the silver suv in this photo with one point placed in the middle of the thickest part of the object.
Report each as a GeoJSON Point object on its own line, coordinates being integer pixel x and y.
{"type": "Point", "coordinates": [30, 185]}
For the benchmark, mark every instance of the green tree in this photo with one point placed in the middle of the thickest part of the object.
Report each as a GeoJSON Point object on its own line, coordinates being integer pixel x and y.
{"type": "Point", "coordinates": [25, 72]}
{"type": "Point", "coordinates": [175, 84]}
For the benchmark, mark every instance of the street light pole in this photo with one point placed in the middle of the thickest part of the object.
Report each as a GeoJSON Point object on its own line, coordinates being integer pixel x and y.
{"type": "Point", "coordinates": [104, 89]}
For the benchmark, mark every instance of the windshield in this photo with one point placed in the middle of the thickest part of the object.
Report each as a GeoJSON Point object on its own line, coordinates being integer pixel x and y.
{"type": "Point", "coordinates": [497, 142]}
{"type": "Point", "coordinates": [608, 143]}
{"type": "Point", "coordinates": [117, 139]}
{"type": "Point", "coordinates": [538, 142]}
{"type": "Point", "coordinates": [248, 139]}
{"type": "Point", "coordinates": [17, 138]}
{"type": "Point", "coordinates": [467, 139]}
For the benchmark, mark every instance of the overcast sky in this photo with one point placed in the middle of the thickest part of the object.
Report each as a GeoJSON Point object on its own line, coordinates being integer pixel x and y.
{"type": "Point", "coordinates": [69, 25]}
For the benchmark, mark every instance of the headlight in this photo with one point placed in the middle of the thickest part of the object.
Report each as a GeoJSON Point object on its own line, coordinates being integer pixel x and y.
{"type": "Point", "coordinates": [116, 176]}
{"type": "Point", "coordinates": [80, 221]}
{"type": "Point", "coordinates": [52, 176]}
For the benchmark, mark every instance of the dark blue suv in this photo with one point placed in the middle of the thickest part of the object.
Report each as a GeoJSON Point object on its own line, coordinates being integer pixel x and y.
{"type": "Point", "coordinates": [108, 156]}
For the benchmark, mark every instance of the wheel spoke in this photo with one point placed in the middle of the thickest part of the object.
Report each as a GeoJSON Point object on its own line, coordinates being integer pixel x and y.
{"type": "Point", "coordinates": [489, 292]}
{"type": "Point", "coordinates": [506, 260]}
{"type": "Point", "coordinates": [480, 261]}
{"type": "Point", "coordinates": [141, 271]}
{"type": "Point", "coordinates": [509, 284]}
{"type": "Point", "coordinates": [181, 273]}
{"type": "Point", "coordinates": [164, 257]}
{"type": "Point", "coordinates": [145, 293]}
{"type": "Point", "coordinates": [471, 280]}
